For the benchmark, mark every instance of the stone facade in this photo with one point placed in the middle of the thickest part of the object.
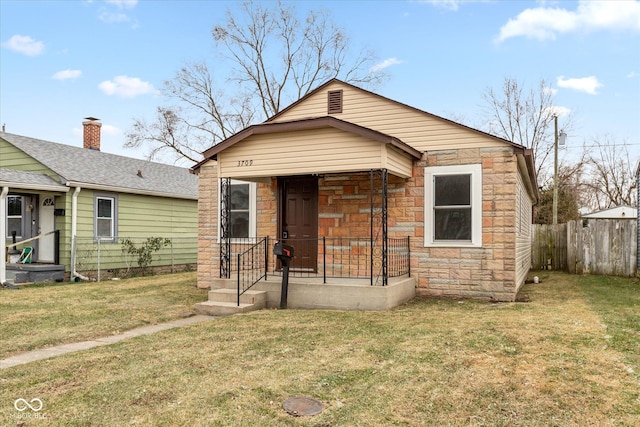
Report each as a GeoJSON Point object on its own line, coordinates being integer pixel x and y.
{"type": "Point", "coordinates": [344, 210]}
{"type": "Point", "coordinates": [487, 272]}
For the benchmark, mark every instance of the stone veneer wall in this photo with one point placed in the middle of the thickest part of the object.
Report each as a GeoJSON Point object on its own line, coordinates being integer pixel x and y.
{"type": "Point", "coordinates": [344, 210]}
{"type": "Point", "coordinates": [208, 251]}
{"type": "Point", "coordinates": [486, 272]}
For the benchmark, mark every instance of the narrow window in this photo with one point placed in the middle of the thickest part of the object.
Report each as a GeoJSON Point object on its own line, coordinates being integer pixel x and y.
{"type": "Point", "coordinates": [14, 215]}
{"type": "Point", "coordinates": [239, 211]}
{"type": "Point", "coordinates": [105, 218]}
{"type": "Point", "coordinates": [335, 101]}
{"type": "Point", "coordinates": [242, 210]}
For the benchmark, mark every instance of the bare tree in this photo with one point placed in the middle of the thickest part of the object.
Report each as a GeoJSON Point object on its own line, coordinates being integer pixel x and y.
{"type": "Point", "coordinates": [276, 60]}
{"type": "Point", "coordinates": [611, 176]}
{"type": "Point", "coordinates": [571, 194]}
{"type": "Point", "coordinates": [524, 116]}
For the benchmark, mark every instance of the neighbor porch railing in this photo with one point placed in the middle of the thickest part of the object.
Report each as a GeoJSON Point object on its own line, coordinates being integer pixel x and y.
{"type": "Point", "coordinates": [323, 258]}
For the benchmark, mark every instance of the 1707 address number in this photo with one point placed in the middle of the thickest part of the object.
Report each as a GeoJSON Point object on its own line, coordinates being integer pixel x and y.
{"type": "Point", "coordinates": [242, 163]}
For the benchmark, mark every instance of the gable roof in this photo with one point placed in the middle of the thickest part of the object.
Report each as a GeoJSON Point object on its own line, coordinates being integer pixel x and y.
{"type": "Point", "coordinates": [426, 113]}
{"type": "Point", "coordinates": [87, 168]}
{"type": "Point", "coordinates": [306, 124]}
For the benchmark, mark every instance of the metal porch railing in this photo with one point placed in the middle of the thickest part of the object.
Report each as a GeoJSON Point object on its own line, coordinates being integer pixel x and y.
{"type": "Point", "coordinates": [323, 258]}
{"type": "Point", "coordinates": [252, 266]}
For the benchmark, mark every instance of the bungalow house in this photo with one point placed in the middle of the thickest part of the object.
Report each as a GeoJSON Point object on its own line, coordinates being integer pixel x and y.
{"type": "Point", "coordinates": [378, 199]}
{"type": "Point", "coordinates": [65, 202]}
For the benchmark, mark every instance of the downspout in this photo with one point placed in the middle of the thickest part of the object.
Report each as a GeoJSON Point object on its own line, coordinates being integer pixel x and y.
{"type": "Point", "coordinates": [74, 227]}
{"type": "Point", "coordinates": [3, 236]}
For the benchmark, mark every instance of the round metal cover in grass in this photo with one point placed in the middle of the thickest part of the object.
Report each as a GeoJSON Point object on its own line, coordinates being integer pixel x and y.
{"type": "Point", "coordinates": [302, 406]}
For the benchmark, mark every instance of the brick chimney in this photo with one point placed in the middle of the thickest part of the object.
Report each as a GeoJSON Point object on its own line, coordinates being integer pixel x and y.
{"type": "Point", "coordinates": [92, 133]}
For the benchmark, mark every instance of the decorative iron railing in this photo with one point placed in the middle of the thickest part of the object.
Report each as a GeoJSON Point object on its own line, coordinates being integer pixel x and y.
{"type": "Point", "coordinates": [252, 265]}
{"type": "Point", "coordinates": [323, 258]}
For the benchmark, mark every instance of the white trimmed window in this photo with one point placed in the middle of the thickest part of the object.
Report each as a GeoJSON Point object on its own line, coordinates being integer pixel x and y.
{"type": "Point", "coordinates": [14, 215]}
{"type": "Point", "coordinates": [453, 205]}
{"type": "Point", "coordinates": [242, 210]}
{"type": "Point", "coordinates": [105, 221]}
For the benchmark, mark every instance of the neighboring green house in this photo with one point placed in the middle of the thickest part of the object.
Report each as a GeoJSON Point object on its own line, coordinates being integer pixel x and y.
{"type": "Point", "coordinates": [94, 200]}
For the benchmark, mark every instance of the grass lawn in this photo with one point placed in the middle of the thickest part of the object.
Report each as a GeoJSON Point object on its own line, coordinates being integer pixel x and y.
{"type": "Point", "coordinates": [50, 314]}
{"type": "Point", "coordinates": [570, 356]}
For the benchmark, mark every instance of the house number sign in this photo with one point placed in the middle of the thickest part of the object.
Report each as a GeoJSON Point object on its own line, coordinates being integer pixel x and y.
{"type": "Point", "coordinates": [242, 163]}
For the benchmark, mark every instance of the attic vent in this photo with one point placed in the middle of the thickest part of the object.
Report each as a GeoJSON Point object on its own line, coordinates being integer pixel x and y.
{"type": "Point", "coordinates": [335, 101]}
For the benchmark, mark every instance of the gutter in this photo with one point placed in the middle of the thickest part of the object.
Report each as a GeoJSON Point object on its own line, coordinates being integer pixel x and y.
{"type": "Point", "coordinates": [74, 228]}
{"type": "Point", "coordinates": [114, 189]}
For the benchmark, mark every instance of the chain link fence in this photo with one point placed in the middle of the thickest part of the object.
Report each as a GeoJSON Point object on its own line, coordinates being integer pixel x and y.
{"type": "Point", "coordinates": [135, 256]}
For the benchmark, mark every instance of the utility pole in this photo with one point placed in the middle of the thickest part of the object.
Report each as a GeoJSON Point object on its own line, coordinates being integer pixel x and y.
{"type": "Point", "coordinates": [558, 140]}
{"type": "Point", "coordinates": [555, 170]}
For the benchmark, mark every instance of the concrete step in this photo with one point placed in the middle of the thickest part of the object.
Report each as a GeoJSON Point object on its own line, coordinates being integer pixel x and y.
{"type": "Point", "coordinates": [231, 295]}
{"type": "Point", "coordinates": [217, 308]}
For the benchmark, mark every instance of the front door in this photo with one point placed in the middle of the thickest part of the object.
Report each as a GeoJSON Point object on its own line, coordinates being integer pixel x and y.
{"type": "Point", "coordinates": [299, 220]}
{"type": "Point", "coordinates": [47, 224]}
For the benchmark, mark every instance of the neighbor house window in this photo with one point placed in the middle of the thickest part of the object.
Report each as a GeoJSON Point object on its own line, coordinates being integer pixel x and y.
{"type": "Point", "coordinates": [14, 215]}
{"type": "Point", "coordinates": [105, 218]}
{"type": "Point", "coordinates": [453, 205]}
{"type": "Point", "coordinates": [242, 210]}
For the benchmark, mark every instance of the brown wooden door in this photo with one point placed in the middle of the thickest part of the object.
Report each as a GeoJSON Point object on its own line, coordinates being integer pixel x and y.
{"type": "Point", "coordinates": [299, 221]}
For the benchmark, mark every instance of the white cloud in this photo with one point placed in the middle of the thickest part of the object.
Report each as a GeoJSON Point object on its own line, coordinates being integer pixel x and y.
{"type": "Point", "coordinates": [385, 64]}
{"type": "Point", "coordinates": [110, 130]}
{"type": "Point", "coordinates": [25, 45]}
{"type": "Point", "coordinates": [588, 85]}
{"type": "Point", "coordinates": [632, 75]}
{"type": "Point", "coordinates": [67, 74]}
{"type": "Point", "coordinates": [545, 23]}
{"type": "Point", "coordinates": [113, 18]}
{"type": "Point", "coordinates": [126, 87]}
{"type": "Point", "coordinates": [109, 17]}
{"type": "Point", "coordinates": [550, 90]}
{"type": "Point", "coordinates": [444, 4]}
{"type": "Point", "coordinates": [557, 110]}
{"type": "Point", "coordinates": [123, 4]}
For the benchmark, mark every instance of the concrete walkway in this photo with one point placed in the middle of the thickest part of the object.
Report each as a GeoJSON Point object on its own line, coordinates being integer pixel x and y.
{"type": "Point", "coordinates": [45, 353]}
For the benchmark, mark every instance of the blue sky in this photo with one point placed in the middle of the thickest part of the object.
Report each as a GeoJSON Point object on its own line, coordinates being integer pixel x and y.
{"type": "Point", "coordinates": [61, 61]}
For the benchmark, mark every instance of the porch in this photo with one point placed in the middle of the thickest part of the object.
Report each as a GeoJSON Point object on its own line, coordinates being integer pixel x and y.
{"type": "Point", "coordinates": [344, 274]}
{"type": "Point", "coordinates": [36, 272]}
{"type": "Point", "coordinates": [308, 293]}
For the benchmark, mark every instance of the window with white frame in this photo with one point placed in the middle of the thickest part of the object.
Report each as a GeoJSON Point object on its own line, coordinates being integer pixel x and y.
{"type": "Point", "coordinates": [453, 205]}
{"type": "Point", "coordinates": [105, 225]}
{"type": "Point", "coordinates": [242, 210]}
{"type": "Point", "coordinates": [14, 215]}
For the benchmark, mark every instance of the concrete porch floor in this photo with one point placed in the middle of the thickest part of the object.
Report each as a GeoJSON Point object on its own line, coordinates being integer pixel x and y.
{"type": "Point", "coordinates": [34, 272]}
{"type": "Point", "coordinates": [336, 294]}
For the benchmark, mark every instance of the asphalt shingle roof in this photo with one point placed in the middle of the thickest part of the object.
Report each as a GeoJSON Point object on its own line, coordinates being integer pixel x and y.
{"type": "Point", "coordinates": [95, 168]}
{"type": "Point", "coordinates": [27, 178]}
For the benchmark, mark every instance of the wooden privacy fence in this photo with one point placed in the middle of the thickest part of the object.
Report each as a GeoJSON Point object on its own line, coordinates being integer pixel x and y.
{"type": "Point", "coordinates": [595, 246]}
{"type": "Point", "coordinates": [549, 247]}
